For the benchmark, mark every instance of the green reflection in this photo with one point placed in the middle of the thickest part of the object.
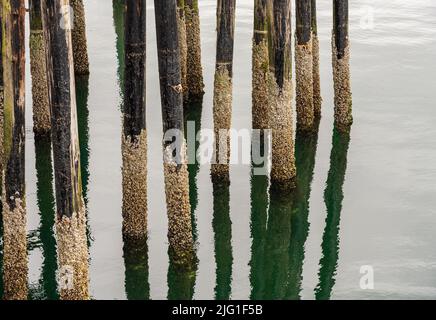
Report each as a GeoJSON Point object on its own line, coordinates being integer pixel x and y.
{"type": "Point", "coordinates": [136, 269]}
{"type": "Point", "coordinates": [1, 249]}
{"type": "Point", "coordinates": [333, 196]}
{"type": "Point", "coordinates": [46, 206]}
{"type": "Point", "coordinates": [305, 155]}
{"type": "Point", "coordinates": [118, 16]}
{"type": "Point", "coordinates": [181, 280]}
{"type": "Point", "coordinates": [222, 228]}
{"type": "Point", "coordinates": [192, 112]}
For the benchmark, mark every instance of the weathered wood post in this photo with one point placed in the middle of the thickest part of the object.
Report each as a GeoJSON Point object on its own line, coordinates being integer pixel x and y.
{"type": "Point", "coordinates": [70, 210]}
{"type": "Point", "coordinates": [280, 95]}
{"type": "Point", "coordinates": [260, 66]}
{"type": "Point", "coordinates": [333, 197]}
{"type": "Point", "coordinates": [223, 87]}
{"type": "Point", "coordinates": [195, 84]}
{"type": "Point", "coordinates": [341, 66]}
{"type": "Point", "coordinates": [304, 66]}
{"type": "Point", "coordinates": [1, 100]}
{"type": "Point", "coordinates": [183, 47]}
{"type": "Point", "coordinates": [134, 138]}
{"type": "Point", "coordinates": [118, 15]}
{"type": "Point", "coordinates": [175, 162]}
{"type": "Point", "coordinates": [38, 70]}
{"type": "Point", "coordinates": [80, 46]}
{"type": "Point", "coordinates": [317, 99]}
{"type": "Point", "coordinates": [222, 228]}
{"type": "Point", "coordinates": [14, 202]}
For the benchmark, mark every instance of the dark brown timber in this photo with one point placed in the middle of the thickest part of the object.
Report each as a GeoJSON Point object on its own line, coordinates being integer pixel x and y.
{"type": "Point", "coordinates": [1, 100]}
{"type": "Point", "coordinates": [181, 25]}
{"type": "Point", "coordinates": [194, 68]}
{"type": "Point", "coordinates": [14, 193]}
{"type": "Point", "coordinates": [304, 66]}
{"type": "Point", "coordinates": [134, 144]}
{"type": "Point", "coordinates": [223, 86]}
{"type": "Point", "coordinates": [341, 66]}
{"type": "Point", "coordinates": [70, 218]}
{"type": "Point", "coordinates": [175, 164]}
{"type": "Point", "coordinates": [317, 99]}
{"type": "Point", "coordinates": [41, 108]}
{"type": "Point", "coordinates": [280, 94]}
{"type": "Point", "coordinates": [260, 66]}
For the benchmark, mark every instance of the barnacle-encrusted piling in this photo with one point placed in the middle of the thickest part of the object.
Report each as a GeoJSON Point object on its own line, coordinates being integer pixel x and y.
{"type": "Point", "coordinates": [134, 139]}
{"type": "Point", "coordinates": [181, 26]}
{"type": "Point", "coordinates": [80, 46]}
{"type": "Point", "coordinates": [38, 70]}
{"type": "Point", "coordinates": [174, 151]}
{"type": "Point", "coordinates": [304, 67]}
{"type": "Point", "coordinates": [195, 84]}
{"type": "Point", "coordinates": [317, 99]}
{"type": "Point", "coordinates": [223, 86]}
{"type": "Point", "coordinates": [280, 96]}
{"type": "Point", "coordinates": [341, 66]}
{"type": "Point", "coordinates": [13, 191]}
{"type": "Point", "coordinates": [260, 66]}
{"type": "Point", "coordinates": [71, 240]}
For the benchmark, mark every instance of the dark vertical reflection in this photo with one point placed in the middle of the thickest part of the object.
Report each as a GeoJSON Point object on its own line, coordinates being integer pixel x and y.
{"type": "Point", "coordinates": [278, 235]}
{"type": "Point", "coordinates": [222, 228]}
{"type": "Point", "coordinates": [192, 113]}
{"type": "Point", "coordinates": [46, 206]}
{"type": "Point", "coordinates": [305, 155]}
{"type": "Point", "coordinates": [136, 269]}
{"type": "Point", "coordinates": [259, 217]}
{"type": "Point", "coordinates": [181, 280]}
{"type": "Point", "coordinates": [118, 15]}
{"type": "Point", "coordinates": [333, 196]}
{"type": "Point", "coordinates": [82, 93]}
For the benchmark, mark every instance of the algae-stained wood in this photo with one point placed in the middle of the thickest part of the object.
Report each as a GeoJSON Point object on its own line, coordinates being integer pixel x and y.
{"type": "Point", "coordinates": [14, 202]}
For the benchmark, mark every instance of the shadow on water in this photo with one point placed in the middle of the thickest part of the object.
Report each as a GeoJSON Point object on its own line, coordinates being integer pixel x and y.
{"type": "Point", "coordinates": [136, 269]}
{"type": "Point", "coordinates": [305, 155]}
{"type": "Point", "coordinates": [222, 228]}
{"type": "Point", "coordinates": [333, 196]}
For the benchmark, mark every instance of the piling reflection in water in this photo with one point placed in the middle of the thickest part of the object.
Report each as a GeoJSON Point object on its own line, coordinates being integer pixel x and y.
{"type": "Point", "coordinates": [46, 205]}
{"type": "Point", "coordinates": [333, 196]}
{"type": "Point", "coordinates": [136, 269]}
{"type": "Point", "coordinates": [222, 229]}
{"type": "Point", "coordinates": [305, 155]}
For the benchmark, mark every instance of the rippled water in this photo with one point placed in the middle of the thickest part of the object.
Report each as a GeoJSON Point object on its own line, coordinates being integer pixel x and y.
{"type": "Point", "coordinates": [363, 199]}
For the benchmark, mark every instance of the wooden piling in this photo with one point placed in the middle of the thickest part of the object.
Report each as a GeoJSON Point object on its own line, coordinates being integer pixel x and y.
{"type": "Point", "coordinates": [195, 84]}
{"type": "Point", "coordinates": [260, 67]}
{"type": "Point", "coordinates": [38, 70]}
{"type": "Point", "coordinates": [13, 194]}
{"type": "Point", "coordinates": [317, 99]}
{"type": "Point", "coordinates": [223, 87]}
{"type": "Point", "coordinates": [280, 95]}
{"type": "Point", "coordinates": [1, 101]}
{"type": "Point", "coordinates": [183, 47]}
{"type": "Point", "coordinates": [80, 46]}
{"type": "Point", "coordinates": [134, 138]}
{"type": "Point", "coordinates": [304, 66]}
{"type": "Point", "coordinates": [175, 163]}
{"type": "Point", "coordinates": [70, 210]}
{"type": "Point", "coordinates": [341, 66]}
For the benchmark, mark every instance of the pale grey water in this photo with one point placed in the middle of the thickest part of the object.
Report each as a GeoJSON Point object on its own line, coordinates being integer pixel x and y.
{"type": "Point", "coordinates": [388, 218]}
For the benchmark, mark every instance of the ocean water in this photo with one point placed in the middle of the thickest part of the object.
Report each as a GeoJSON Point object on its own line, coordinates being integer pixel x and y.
{"type": "Point", "coordinates": [365, 201]}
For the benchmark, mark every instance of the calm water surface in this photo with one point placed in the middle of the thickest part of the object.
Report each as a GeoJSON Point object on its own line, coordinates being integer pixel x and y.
{"type": "Point", "coordinates": [362, 199]}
